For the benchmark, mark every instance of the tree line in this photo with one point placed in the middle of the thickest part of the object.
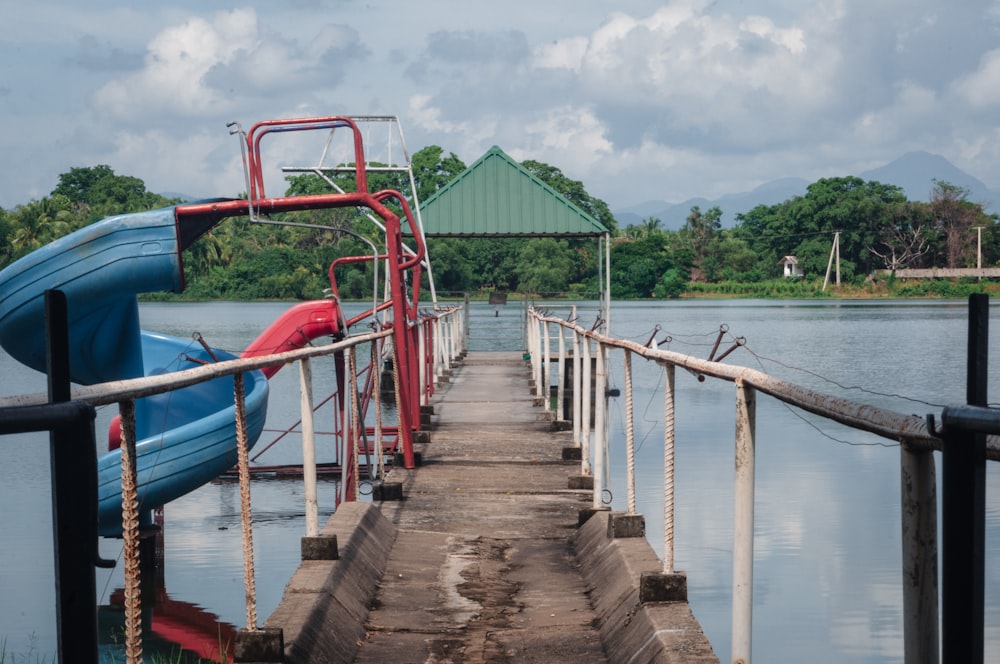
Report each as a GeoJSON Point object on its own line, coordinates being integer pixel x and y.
{"type": "Point", "coordinates": [877, 228]}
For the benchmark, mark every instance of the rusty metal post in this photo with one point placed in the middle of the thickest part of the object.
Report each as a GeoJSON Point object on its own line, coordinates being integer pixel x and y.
{"type": "Point", "coordinates": [918, 510]}
{"type": "Point", "coordinates": [743, 519]}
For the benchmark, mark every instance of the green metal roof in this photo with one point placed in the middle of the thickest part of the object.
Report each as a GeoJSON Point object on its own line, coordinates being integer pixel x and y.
{"type": "Point", "coordinates": [496, 196]}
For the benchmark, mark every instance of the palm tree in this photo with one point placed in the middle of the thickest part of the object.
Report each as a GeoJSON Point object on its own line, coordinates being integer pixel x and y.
{"type": "Point", "coordinates": [40, 222]}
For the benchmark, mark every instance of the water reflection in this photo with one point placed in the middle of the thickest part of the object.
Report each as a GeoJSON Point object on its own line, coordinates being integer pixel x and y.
{"type": "Point", "coordinates": [827, 544]}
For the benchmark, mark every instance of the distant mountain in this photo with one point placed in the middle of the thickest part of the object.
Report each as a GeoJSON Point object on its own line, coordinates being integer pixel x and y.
{"type": "Point", "coordinates": [673, 215]}
{"type": "Point", "coordinates": [914, 172]}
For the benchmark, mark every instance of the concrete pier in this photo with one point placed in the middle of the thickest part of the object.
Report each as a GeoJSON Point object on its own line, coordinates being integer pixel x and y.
{"type": "Point", "coordinates": [489, 556]}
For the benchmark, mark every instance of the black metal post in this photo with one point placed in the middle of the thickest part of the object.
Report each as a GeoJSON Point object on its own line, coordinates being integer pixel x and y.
{"type": "Point", "coordinates": [963, 473]}
{"type": "Point", "coordinates": [73, 455]}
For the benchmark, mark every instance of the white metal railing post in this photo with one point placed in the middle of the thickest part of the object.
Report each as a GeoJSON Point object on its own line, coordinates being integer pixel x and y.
{"type": "Point", "coordinates": [577, 400]}
{"type": "Point", "coordinates": [454, 328]}
{"type": "Point", "coordinates": [668, 468]}
{"type": "Point", "coordinates": [422, 362]}
{"type": "Point", "coordinates": [435, 354]}
{"type": "Point", "coordinates": [445, 329]}
{"type": "Point", "coordinates": [585, 396]}
{"type": "Point", "coordinates": [560, 376]}
{"type": "Point", "coordinates": [529, 341]}
{"type": "Point", "coordinates": [546, 368]}
{"type": "Point", "coordinates": [441, 344]}
{"type": "Point", "coordinates": [918, 515]}
{"type": "Point", "coordinates": [600, 396]}
{"type": "Point", "coordinates": [308, 447]}
{"type": "Point", "coordinates": [536, 355]}
{"type": "Point", "coordinates": [377, 397]}
{"type": "Point", "coordinates": [629, 436]}
{"type": "Point", "coordinates": [743, 518]}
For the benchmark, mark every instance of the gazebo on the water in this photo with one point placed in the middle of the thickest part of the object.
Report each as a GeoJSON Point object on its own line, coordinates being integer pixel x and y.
{"type": "Point", "coordinates": [498, 197]}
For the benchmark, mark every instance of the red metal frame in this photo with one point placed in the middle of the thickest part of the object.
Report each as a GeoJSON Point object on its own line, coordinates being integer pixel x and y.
{"type": "Point", "coordinates": [405, 315]}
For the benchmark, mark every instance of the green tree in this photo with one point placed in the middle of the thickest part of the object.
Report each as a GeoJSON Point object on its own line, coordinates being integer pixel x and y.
{"type": "Point", "coordinates": [96, 192]}
{"type": "Point", "coordinates": [700, 230]}
{"type": "Point", "coordinates": [39, 222]}
{"type": "Point", "coordinates": [955, 219]}
{"type": "Point", "coordinates": [906, 236]}
{"type": "Point", "coordinates": [803, 225]}
{"type": "Point", "coordinates": [637, 266]}
{"type": "Point", "coordinates": [574, 191]}
{"type": "Point", "coordinates": [544, 265]}
{"type": "Point", "coordinates": [432, 170]}
{"type": "Point", "coordinates": [453, 269]}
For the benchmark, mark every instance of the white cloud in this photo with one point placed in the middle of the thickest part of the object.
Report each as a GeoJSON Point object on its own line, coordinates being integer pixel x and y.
{"type": "Point", "coordinates": [653, 99]}
{"type": "Point", "coordinates": [567, 135]}
{"type": "Point", "coordinates": [203, 163]}
{"type": "Point", "coordinates": [981, 88]}
{"type": "Point", "coordinates": [177, 61]}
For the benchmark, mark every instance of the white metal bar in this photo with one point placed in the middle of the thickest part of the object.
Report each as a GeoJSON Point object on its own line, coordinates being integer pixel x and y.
{"type": "Point", "coordinates": [743, 519]}
{"type": "Point", "coordinates": [585, 397]}
{"type": "Point", "coordinates": [600, 397]}
{"type": "Point", "coordinates": [546, 369]}
{"type": "Point", "coordinates": [577, 397]}
{"type": "Point", "coordinates": [560, 376]}
{"type": "Point", "coordinates": [308, 447]}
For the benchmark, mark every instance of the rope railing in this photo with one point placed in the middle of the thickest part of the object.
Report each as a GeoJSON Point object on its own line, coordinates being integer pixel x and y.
{"type": "Point", "coordinates": [447, 322]}
{"type": "Point", "coordinates": [915, 438]}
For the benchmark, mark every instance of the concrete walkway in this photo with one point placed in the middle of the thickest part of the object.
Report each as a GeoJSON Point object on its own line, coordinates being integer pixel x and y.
{"type": "Point", "coordinates": [485, 558]}
{"type": "Point", "coordinates": [483, 568]}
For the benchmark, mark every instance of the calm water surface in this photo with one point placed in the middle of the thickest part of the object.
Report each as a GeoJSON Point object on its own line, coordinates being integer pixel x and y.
{"type": "Point", "coordinates": [827, 544]}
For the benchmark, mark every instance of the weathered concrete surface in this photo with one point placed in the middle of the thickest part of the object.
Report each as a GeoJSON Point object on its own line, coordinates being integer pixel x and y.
{"type": "Point", "coordinates": [322, 613]}
{"type": "Point", "coordinates": [633, 630]}
{"type": "Point", "coordinates": [486, 557]}
{"type": "Point", "coordinates": [483, 568]}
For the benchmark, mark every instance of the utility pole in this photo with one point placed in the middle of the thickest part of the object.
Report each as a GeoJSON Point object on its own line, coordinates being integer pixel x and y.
{"type": "Point", "coordinates": [979, 251]}
{"type": "Point", "coordinates": [834, 250]}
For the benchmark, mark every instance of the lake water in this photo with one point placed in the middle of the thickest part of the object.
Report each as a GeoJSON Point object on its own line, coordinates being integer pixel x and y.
{"type": "Point", "coordinates": [827, 580]}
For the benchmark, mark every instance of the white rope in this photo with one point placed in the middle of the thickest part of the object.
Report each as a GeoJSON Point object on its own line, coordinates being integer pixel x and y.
{"type": "Point", "coordinates": [668, 470]}
{"type": "Point", "coordinates": [629, 435]}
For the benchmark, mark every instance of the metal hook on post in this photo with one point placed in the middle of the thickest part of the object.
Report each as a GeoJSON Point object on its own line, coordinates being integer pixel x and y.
{"type": "Point", "coordinates": [204, 344]}
{"type": "Point", "coordinates": [740, 341]}
{"type": "Point", "coordinates": [656, 329]}
{"type": "Point", "coordinates": [722, 331]}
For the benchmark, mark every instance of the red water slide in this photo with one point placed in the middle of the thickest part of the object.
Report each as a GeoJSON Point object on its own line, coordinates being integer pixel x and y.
{"type": "Point", "coordinates": [295, 329]}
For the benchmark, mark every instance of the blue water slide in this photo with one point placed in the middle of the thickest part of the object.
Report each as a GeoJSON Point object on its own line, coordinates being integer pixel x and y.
{"type": "Point", "coordinates": [185, 438]}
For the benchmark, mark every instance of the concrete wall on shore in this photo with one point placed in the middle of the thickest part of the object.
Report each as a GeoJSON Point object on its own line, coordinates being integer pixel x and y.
{"type": "Point", "coordinates": [634, 630]}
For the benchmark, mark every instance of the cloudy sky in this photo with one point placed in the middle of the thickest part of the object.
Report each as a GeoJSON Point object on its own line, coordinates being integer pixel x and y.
{"type": "Point", "coordinates": [638, 99]}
